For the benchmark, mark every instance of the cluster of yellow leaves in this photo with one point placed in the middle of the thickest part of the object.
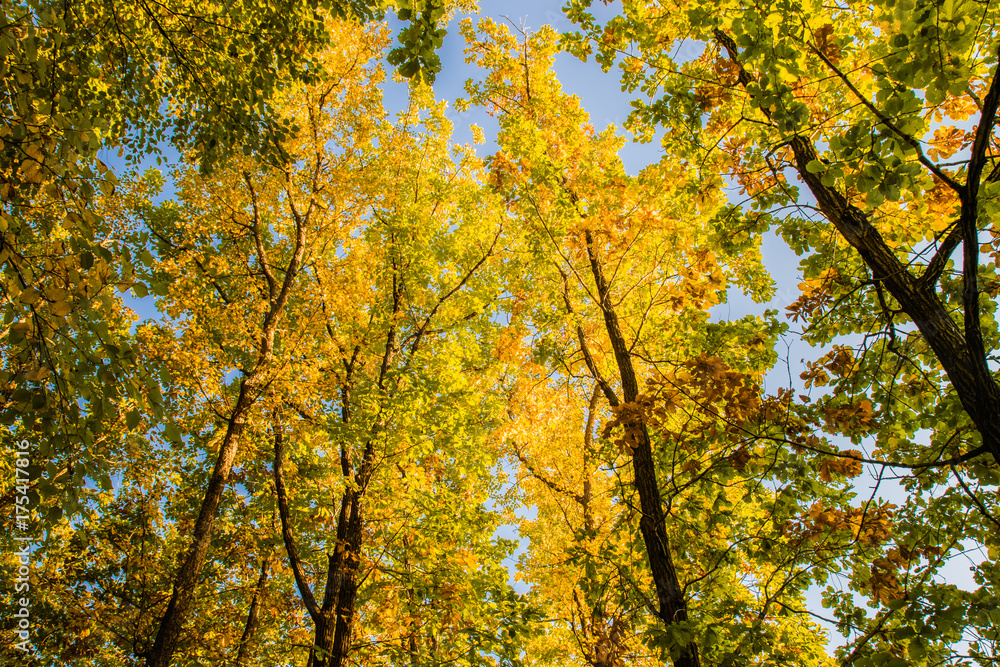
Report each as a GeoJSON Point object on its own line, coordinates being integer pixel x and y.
{"type": "Point", "coordinates": [753, 182]}
{"type": "Point", "coordinates": [632, 417]}
{"type": "Point", "coordinates": [959, 108]}
{"type": "Point", "coordinates": [947, 141]}
{"type": "Point", "coordinates": [709, 397]}
{"type": "Point", "coordinates": [702, 280]}
{"type": "Point", "coordinates": [700, 410]}
{"type": "Point", "coordinates": [992, 248]}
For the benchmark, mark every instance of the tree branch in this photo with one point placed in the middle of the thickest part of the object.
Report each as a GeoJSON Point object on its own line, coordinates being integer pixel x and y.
{"type": "Point", "coordinates": [253, 616]}
{"type": "Point", "coordinates": [286, 529]}
{"type": "Point", "coordinates": [588, 358]}
{"type": "Point", "coordinates": [940, 259]}
{"type": "Point", "coordinates": [455, 289]}
{"type": "Point", "coordinates": [979, 504]}
{"type": "Point", "coordinates": [969, 222]}
{"type": "Point", "coordinates": [272, 284]}
{"type": "Point", "coordinates": [885, 120]}
{"type": "Point", "coordinates": [534, 472]}
{"type": "Point", "coordinates": [977, 161]}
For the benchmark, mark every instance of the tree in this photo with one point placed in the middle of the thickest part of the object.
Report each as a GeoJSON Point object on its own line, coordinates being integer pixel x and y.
{"type": "Point", "coordinates": [183, 262]}
{"type": "Point", "coordinates": [404, 382]}
{"type": "Point", "coordinates": [865, 106]}
{"type": "Point", "coordinates": [270, 220]}
{"type": "Point", "coordinates": [84, 77]}
{"type": "Point", "coordinates": [310, 307]}
{"type": "Point", "coordinates": [579, 562]}
{"type": "Point", "coordinates": [621, 271]}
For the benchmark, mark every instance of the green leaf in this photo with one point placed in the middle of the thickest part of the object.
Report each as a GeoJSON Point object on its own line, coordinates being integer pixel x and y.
{"type": "Point", "coordinates": [815, 166]}
{"type": "Point", "coordinates": [171, 432]}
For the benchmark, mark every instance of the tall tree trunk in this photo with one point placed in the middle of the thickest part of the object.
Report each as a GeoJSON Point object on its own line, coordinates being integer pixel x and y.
{"type": "Point", "coordinates": [334, 618]}
{"type": "Point", "coordinates": [652, 524]}
{"type": "Point", "coordinates": [344, 610]}
{"type": "Point", "coordinates": [188, 575]}
{"type": "Point", "coordinates": [190, 571]}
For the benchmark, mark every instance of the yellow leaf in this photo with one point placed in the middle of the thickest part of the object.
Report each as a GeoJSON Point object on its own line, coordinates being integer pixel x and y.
{"type": "Point", "coordinates": [61, 308]}
{"type": "Point", "coordinates": [29, 296]}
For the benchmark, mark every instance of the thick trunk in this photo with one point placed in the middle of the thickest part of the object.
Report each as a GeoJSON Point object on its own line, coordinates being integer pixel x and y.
{"type": "Point", "coordinates": [345, 613]}
{"type": "Point", "coordinates": [322, 641]}
{"type": "Point", "coordinates": [652, 524]}
{"type": "Point", "coordinates": [349, 546]}
{"type": "Point", "coordinates": [189, 573]}
{"type": "Point", "coordinates": [335, 619]}
{"type": "Point", "coordinates": [968, 372]}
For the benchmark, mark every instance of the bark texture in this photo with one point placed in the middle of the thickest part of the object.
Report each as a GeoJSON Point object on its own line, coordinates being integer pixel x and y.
{"type": "Point", "coordinates": [959, 347]}
{"type": "Point", "coordinates": [652, 524]}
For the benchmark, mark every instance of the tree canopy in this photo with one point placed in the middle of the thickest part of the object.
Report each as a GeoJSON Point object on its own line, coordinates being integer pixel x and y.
{"type": "Point", "coordinates": [377, 351]}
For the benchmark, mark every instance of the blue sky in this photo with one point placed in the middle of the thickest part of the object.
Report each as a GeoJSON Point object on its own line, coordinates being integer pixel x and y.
{"type": "Point", "coordinates": [601, 93]}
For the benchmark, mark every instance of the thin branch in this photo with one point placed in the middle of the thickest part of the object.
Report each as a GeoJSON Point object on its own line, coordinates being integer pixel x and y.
{"type": "Point", "coordinates": [588, 358]}
{"type": "Point", "coordinates": [286, 529]}
{"type": "Point", "coordinates": [534, 472]}
{"type": "Point", "coordinates": [272, 284]}
{"type": "Point", "coordinates": [885, 120]}
{"type": "Point", "coordinates": [979, 504]}
{"type": "Point", "coordinates": [453, 291]}
{"type": "Point", "coordinates": [390, 337]}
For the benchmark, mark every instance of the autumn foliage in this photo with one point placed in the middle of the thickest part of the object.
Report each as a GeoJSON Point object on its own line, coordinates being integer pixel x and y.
{"type": "Point", "coordinates": [377, 353]}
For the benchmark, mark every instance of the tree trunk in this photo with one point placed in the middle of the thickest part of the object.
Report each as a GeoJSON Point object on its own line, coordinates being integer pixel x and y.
{"type": "Point", "coordinates": [960, 350]}
{"type": "Point", "coordinates": [253, 616]}
{"type": "Point", "coordinates": [967, 369]}
{"type": "Point", "coordinates": [342, 586]}
{"type": "Point", "coordinates": [190, 571]}
{"type": "Point", "coordinates": [652, 524]}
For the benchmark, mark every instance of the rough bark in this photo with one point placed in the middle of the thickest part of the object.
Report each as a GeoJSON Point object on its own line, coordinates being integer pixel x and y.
{"type": "Point", "coordinates": [189, 574]}
{"type": "Point", "coordinates": [652, 524]}
{"type": "Point", "coordinates": [333, 618]}
{"type": "Point", "coordinates": [959, 349]}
